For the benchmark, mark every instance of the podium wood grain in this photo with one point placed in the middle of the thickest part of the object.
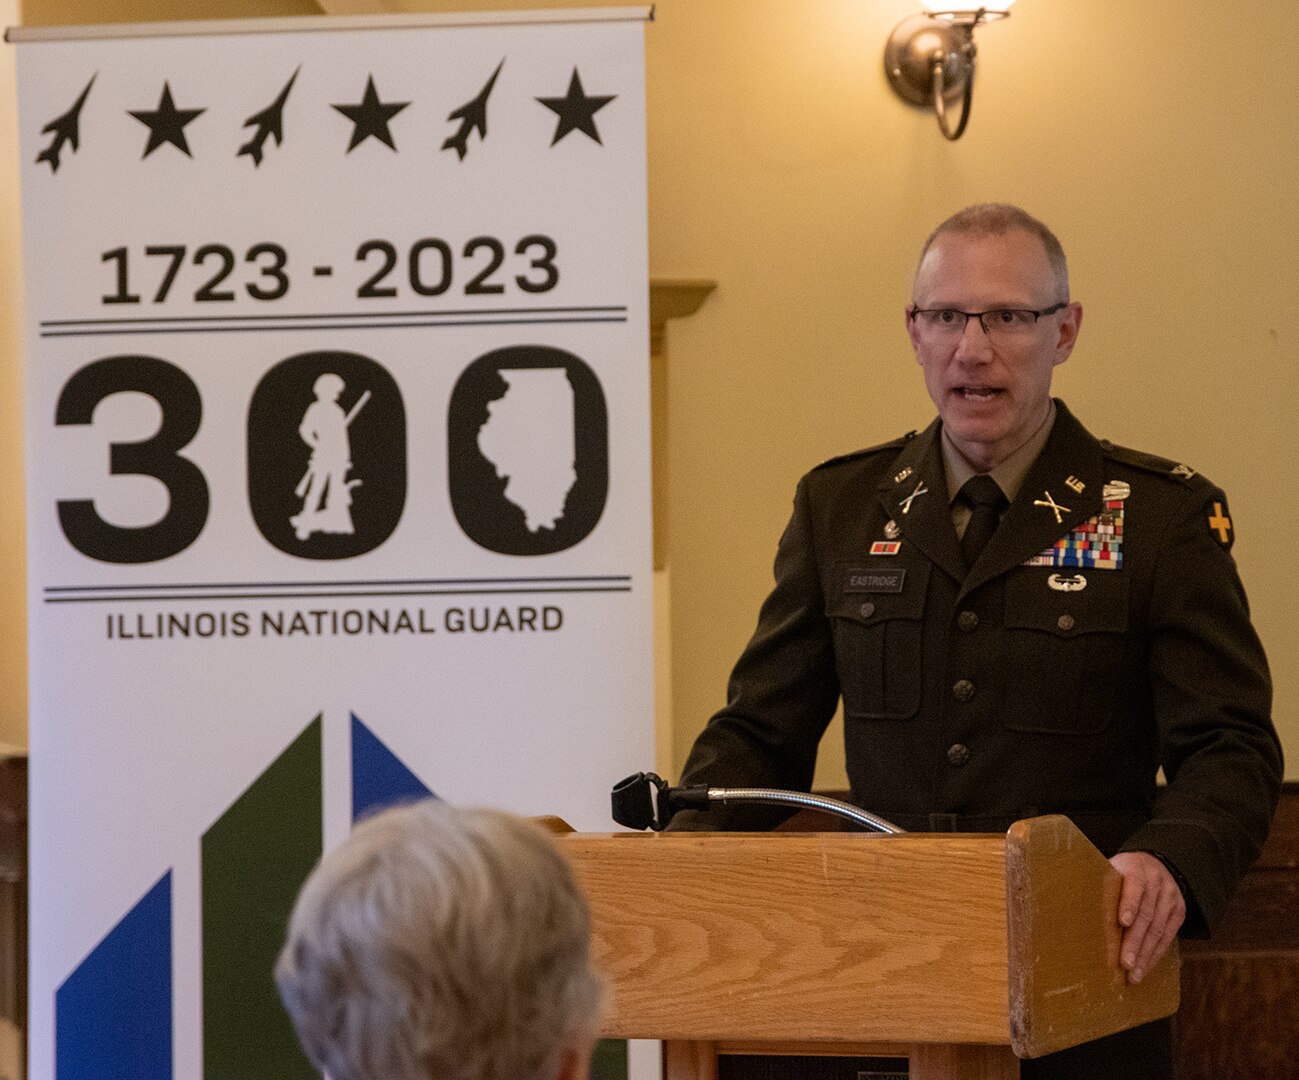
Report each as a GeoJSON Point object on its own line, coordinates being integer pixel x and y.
{"type": "Point", "coordinates": [1067, 985]}
{"type": "Point", "coordinates": [954, 948]}
{"type": "Point", "coordinates": [754, 936]}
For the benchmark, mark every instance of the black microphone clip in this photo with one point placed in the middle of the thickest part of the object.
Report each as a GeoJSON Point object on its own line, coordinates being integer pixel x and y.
{"type": "Point", "coordinates": [645, 801]}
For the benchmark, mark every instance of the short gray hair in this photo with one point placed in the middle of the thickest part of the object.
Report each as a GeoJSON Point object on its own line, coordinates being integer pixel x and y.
{"type": "Point", "coordinates": [437, 942]}
{"type": "Point", "coordinates": [995, 219]}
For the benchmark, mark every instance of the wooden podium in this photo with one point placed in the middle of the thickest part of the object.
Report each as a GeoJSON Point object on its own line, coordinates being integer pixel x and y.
{"type": "Point", "coordinates": [961, 952]}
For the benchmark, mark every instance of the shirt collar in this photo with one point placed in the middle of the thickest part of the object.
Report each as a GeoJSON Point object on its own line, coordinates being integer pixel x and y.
{"type": "Point", "coordinates": [1010, 473]}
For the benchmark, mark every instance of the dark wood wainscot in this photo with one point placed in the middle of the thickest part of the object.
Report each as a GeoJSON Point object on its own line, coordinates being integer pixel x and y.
{"type": "Point", "coordinates": [1239, 1018]}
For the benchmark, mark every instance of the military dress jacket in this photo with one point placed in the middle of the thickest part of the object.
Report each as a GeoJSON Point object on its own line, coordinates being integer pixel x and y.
{"type": "Point", "coordinates": [1102, 634]}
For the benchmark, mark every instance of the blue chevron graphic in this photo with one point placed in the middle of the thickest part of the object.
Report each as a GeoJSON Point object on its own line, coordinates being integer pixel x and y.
{"type": "Point", "coordinates": [112, 1015]}
{"type": "Point", "coordinates": [379, 777]}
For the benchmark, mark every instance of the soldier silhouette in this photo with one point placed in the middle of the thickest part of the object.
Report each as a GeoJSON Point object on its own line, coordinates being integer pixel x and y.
{"type": "Point", "coordinates": [325, 491]}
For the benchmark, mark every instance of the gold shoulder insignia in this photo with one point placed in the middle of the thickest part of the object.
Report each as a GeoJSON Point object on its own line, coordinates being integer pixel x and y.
{"type": "Point", "coordinates": [1220, 524]}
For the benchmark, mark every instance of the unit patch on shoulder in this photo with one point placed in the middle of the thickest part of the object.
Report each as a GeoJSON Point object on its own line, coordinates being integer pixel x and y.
{"type": "Point", "coordinates": [1096, 544]}
{"type": "Point", "coordinates": [1220, 527]}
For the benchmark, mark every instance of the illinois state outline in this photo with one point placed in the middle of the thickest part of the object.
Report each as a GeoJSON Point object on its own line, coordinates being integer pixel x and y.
{"type": "Point", "coordinates": [528, 438]}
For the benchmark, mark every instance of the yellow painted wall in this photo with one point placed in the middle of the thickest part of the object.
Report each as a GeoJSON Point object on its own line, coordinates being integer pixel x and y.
{"type": "Point", "coordinates": [782, 165]}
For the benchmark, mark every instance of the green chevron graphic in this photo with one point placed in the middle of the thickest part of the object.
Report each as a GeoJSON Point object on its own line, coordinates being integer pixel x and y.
{"type": "Point", "coordinates": [254, 860]}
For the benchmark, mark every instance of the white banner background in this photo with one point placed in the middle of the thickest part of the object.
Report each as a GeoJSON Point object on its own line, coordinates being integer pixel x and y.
{"type": "Point", "coordinates": [140, 743]}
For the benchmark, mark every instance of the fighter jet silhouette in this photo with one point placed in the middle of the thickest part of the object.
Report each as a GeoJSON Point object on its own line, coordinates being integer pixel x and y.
{"type": "Point", "coordinates": [270, 123]}
{"type": "Point", "coordinates": [66, 129]}
{"type": "Point", "coordinates": [472, 116]}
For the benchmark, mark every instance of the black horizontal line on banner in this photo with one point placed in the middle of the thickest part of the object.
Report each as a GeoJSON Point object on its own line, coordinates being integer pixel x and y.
{"type": "Point", "coordinates": [332, 595]}
{"type": "Point", "coordinates": [334, 326]}
{"type": "Point", "coordinates": [590, 308]}
{"type": "Point", "coordinates": [582, 579]}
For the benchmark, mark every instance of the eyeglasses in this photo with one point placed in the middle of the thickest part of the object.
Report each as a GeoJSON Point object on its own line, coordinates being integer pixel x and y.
{"type": "Point", "coordinates": [998, 323]}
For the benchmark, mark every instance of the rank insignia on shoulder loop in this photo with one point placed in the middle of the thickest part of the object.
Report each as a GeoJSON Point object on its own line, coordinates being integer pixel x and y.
{"type": "Point", "coordinates": [891, 529]}
{"type": "Point", "coordinates": [1116, 489]}
{"type": "Point", "coordinates": [1183, 470]}
{"type": "Point", "coordinates": [886, 547]}
{"type": "Point", "coordinates": [1096, 544]}
{"type": "Point", "coordinates": [1220, 525]}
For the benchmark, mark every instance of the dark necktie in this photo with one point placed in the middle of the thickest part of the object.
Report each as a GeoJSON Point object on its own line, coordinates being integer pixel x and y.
{"type": "Point", "coordinates": [986, 501]}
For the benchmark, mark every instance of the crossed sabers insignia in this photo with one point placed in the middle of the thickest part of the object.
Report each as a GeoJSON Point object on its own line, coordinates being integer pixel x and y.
{"type": "Point", "coordinates": [1048, 502]}
{"type": "Point", "coordinates": [1053, 506]}
{"type": "Point", "coordinates": [906, 503]}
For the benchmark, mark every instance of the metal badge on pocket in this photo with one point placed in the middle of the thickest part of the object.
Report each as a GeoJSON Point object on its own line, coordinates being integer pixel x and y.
{"type": "Point", "coordinates": [1067, 584]}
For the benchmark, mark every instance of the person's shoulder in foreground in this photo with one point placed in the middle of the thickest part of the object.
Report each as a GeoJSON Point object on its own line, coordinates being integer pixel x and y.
{"type": "Point", "coordinates": [440, 941]}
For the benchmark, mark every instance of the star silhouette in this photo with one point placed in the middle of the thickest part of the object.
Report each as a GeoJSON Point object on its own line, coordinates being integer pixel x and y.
{"type": "Point", "coordinates": [166, 123]}
{"type": "Point", "coordinates": [370, 117]}
{"type": "Point", "coordinates": [576, 111]}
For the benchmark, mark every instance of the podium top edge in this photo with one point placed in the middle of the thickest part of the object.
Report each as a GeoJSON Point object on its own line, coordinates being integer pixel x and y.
{"type": "Point", "coordinates": [784, 836]}
{"type": "Point", "coordinates": [20, 35]}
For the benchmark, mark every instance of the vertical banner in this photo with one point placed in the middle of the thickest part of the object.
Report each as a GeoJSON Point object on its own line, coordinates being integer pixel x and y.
{"type": "Point", "coordinates": [337, 481]}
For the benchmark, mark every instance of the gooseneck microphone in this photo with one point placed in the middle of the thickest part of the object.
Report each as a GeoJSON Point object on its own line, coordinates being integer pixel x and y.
{"type": "Point", "coordinates": [645, 801]}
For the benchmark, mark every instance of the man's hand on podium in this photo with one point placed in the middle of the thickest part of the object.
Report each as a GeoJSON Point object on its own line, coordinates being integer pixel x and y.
{"type": "Point", "coordinates": [1151, 911]}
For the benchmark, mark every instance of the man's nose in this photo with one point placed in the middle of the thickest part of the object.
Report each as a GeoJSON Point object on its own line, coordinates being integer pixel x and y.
{"type": "Point", "coordinates": [974, 345]}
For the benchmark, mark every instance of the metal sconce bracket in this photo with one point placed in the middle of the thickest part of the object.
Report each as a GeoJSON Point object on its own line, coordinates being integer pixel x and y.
{"type": "Point", "coordinates": [929, 60]}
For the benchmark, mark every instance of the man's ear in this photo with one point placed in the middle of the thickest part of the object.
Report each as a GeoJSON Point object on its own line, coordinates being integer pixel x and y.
{"type": "Point", "coordinates": [911, 334]}
{"type": "Point", "coordinates": [1070, 324]}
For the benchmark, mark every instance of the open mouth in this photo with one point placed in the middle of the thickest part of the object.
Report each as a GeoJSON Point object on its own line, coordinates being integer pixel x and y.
{"type": "Point", "coordinates": [978, 393]}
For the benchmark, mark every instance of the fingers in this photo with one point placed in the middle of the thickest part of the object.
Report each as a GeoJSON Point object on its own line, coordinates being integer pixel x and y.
{"type": "Point", "coordinates": [1151, 911]}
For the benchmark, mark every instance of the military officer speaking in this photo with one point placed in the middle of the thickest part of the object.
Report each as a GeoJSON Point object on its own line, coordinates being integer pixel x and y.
{"type": "Point", "coordinates": [1020, 619]}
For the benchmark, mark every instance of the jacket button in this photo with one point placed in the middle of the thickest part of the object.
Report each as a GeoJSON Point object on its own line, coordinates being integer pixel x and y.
{"type": "Point", "coordinates": [963, 690]}
{"type": "Point", "coordinates": [958, 754]}
{"type": "Point", "coordinates": [1065, 622]}
{"type": "Point", "coordinates": [967, 620]}
{"type": "Point", "coordinates": [867, 610]}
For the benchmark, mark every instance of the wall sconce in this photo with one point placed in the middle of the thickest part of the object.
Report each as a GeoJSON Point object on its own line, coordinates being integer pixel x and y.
{"type": "Point", "coordinates": [929, 59]}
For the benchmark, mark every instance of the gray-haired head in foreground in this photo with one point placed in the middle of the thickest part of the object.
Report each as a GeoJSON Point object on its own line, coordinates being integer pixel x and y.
{"type": "Point", "coordinates": [438, 942]}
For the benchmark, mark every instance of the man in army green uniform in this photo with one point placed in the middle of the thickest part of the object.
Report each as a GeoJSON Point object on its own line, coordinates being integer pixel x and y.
{"type": "Point", "coordinates": [1020, 619]}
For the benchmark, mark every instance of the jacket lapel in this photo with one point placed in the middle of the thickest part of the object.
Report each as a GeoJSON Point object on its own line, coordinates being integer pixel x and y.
{"type": "Point", "coordinates": [1062, 490]}
{"type": "Point", "coordinates": [914, 495]}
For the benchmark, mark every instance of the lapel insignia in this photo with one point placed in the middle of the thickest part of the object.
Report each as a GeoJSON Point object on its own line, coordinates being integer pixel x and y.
{"type": "Point", "coordinates": [1096, 544]}
{"type": "Point", "coordinates": [1052, 505]}
{"type": "Point", "coordinates": [902, 475]}
{"type": "Point", "coordinates": [1075, 485]}
{"type": "Point", "coordinates": [906, 503]}
{"type": "Point", "coordinates": [886, 547]}
{"type": "Point", "coordinates": [1067, 584]}
{"type": "Point", "coordinates": [1220, 524]}
{"type": "Point", "coordinates": [1116, 489]}
{"type": "Point", "coordinates": [891, 530]}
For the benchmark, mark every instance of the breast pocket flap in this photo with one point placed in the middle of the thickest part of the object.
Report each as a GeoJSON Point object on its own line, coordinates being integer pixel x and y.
{"type": "Point", "coordinates": [1067, 603]}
